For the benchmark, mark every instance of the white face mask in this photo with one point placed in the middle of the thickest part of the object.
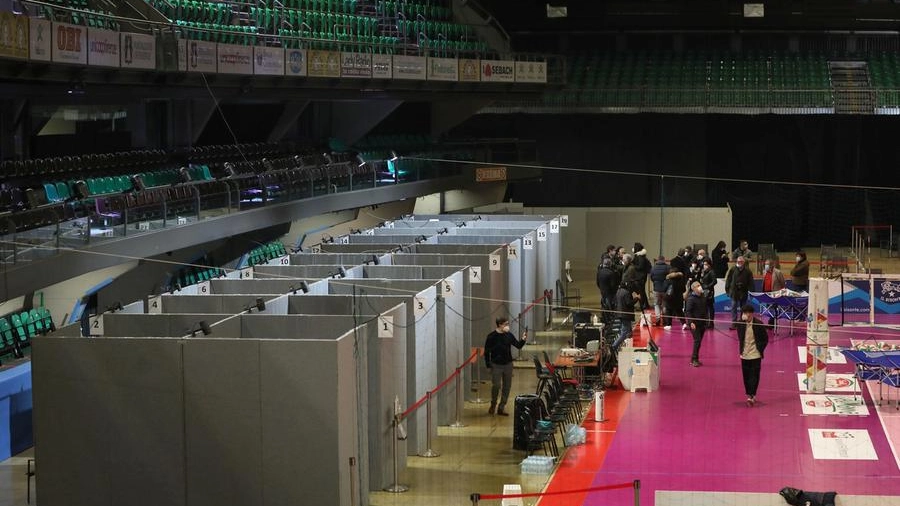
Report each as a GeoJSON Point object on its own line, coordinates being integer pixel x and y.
{"type": "Point", "coordinates": [505, 328]}
{"type": "Point", "coordinates": [766, 268]}
{"type": "Point", "coordinates": [746, 318]}
{"type": "Point", "coordinates": [699, 257]}
{"type": "Point", "coordinates": [693, 267]}
{"type": "Point", "coordinates": [798, 258]}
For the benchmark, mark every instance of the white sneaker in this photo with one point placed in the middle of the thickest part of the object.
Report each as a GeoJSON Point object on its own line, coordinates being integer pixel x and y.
{"type": "Point", "coordinates": [683, 326]}
{"type": "Point", "coordinates": [667, 327]}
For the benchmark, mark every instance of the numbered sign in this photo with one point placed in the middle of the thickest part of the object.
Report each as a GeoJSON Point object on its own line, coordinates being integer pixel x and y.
{"type": "Point", "coordinates": [564, 220]}
{"type": "Point", "coordinates": [512, 253]}
{"type": "Point", "coordinates": [369, 231]}
{"type": "Point", "coordinates": [528, 241]}
{"type": "Point", "coordinates": [494, 262]}
{"type": "Point", "coordinates": [144, 225]}
{"type": "Point", "coordinates": [554, 226]}
{"type": "Point", "coordinates": [542, 233]}
{"type": "Point", "coordinates": [282, 260]}
{"type": "Point", "coordinates": [154, 304]}
{"type": "Point", "coordinates": [475, 274]}
{"type": "Point", "coordinates": [389, 224]}
{"type": "Point", "coordinates": [419, 306]}
{"type": "Point", "coordinates": [182, 220]}
{"type": "Point", "coordinates": [385, 326]}
{"type": "Point", "coordinates": [447, 287]}
{"type": "Point", "coordinates": [344, 239]}
{"type": "Point", "coordinates": [203, 288]}
{"type": "Point", "coordinates": [316, 248]}
{"type": "Point", "coordinates": [95, 324]}
{"type": "Point", "coordinates": [247, 273]}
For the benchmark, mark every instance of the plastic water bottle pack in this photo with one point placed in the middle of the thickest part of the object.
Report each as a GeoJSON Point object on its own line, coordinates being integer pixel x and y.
{"type": "Point", "coordinates": [537, 464]}
{"type": "Point", "coordinates": [575, 435]}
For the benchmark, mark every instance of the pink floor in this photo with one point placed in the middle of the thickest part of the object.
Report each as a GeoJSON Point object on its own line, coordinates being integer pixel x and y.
{"type": "Point", "coordinates": [697, 434]}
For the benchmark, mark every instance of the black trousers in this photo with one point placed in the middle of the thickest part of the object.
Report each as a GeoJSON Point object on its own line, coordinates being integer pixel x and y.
{"type": "Point", "coordinates": [750, 369]}
{"type": "Point", "coordinates": [697, 333]}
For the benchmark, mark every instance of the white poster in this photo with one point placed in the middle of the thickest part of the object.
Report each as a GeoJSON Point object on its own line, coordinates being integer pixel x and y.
{"type": "Point", "coordinates": [182, 55]}
{"type": "Point", "coordinates": [235, 59]}
{"type": "Point", "coordinates": [443, 69]}
{"type": "Point", "coordinates": [409, 67]}
{"type": "Point", "coordinates": [295, 62]}
{"type": "Point", "coordinates": [69, 43]}
{"type": "Point", "coordinates": [531, 72]}
{"type": "Point", "coordinates": [828, 404]}
{"type": "Point", "coordinates": [833, 382]}
{"type": "Point", "coordinates": [382, 66]}
{"type": "Point", "coordinates": [498, 71]}
{"type": "Point", "coordinates": [138, 50]}
{"type": "Point", "coordinates": [39, 39]}
{"type": "Point", "coordinates": [201, 56]}
{"type": "Point", "coordinates": [103, 48]}
{"type": "Point", "coordinates": [268, 61]}
{"type": "Point", "coordinates": [356, 65]}
{"type": "Point", "coordinates": [841, 444]}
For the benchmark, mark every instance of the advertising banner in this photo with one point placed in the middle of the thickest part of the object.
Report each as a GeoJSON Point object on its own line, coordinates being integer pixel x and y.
{"type": "Point", "coordinates": [235, 59]}
{"type": "Point", "coordinates": [469, 70]}
{"type": "Point", "coordinates": [201, 56]}
{"type": "Point", "coordinates": [817, 336]}
{"type": "Point", "coordinates": [103, 48]}
{"type": "Point", "coordinates": [531, 72]}
{"type": "Point", "coordinates": [356, 65]}
{"type": "Point", "coordinates": [13, 36]}
{"type": "Point", "coordinates": [498, 71]}
{"type": "Point", "coordinates": [443, 69]}
{"type": "Point", "coordinates": [382, 66]}
{"type": "Point", "coordinates": [409, 67]}
{"type": "Point", "coordinates": [268, 61]}
{"type": "Point", "coordinates": [182, 55]}
{"type": "Point", "coordinates": [138, 50]}
{"type": "Point", "coordinates": [69, 43]}
{"type": "Point", "coordinates": [39, 39]}
{"type": "Point", "coordinates": [295, 62]}
{"type": "Point", "coordinates": [324, 64]}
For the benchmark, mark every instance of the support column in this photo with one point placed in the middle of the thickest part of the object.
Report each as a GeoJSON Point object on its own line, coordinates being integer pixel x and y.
{"type": "Point", "coordinates": [288, 120]}
{"type": "Point", "coordinates": [447, 114]}
{"type": "Point", "coordinates": [137, 124]}
{"type": "Point", "coordinates": [13, 133]}
{"type": "Point", "coordinates": [817, 336]}
{"type": "Point", "coordinates": [188, 119]}
{"type": "Point", "coordinates": [351, 121]}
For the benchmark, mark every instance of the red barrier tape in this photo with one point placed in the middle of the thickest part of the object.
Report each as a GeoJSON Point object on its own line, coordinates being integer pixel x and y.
{"type": "Point", "coordinates": [561, 492]}
{"type": "Point", "coordinates": [444, 383]}
{"type": "Point", "coordinates": [547, 293]}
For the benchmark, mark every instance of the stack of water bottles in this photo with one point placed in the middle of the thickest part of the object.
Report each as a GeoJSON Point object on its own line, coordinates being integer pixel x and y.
{"type": "Point", "coordinates": [575, 435]}
{"type": "Point", "coordinates": [537, 464]}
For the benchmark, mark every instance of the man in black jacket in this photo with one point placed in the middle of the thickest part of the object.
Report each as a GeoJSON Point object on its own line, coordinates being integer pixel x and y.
{"type": "Point", "coordinates": [607, 282]}
{"type": "Point", "coordinates": [642, 270]}
{"type": "Point", "coordinates": [658, 277]}
{"type": "Point", "coordinates": [498, 358]}
{"type": "Point", "coordinates": [738, 283]}
{"type": "Point", "coordinates": [626, 297]}
{"type": "Point", "coordinates": [695, 314]}
{"type": "Point", "coordinates": [752, 342]}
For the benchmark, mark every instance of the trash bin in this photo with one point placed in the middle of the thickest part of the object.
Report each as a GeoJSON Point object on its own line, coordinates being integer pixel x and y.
{"type": "Point", "coordinates": [531, 404]}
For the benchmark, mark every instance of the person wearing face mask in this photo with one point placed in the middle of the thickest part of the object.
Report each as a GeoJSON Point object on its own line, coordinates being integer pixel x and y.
{"type": "Point", "coordinates": [719, 258]}
{"type": "Point", "coordinates": [773, 280]}
{"type": "Point", "coordinates": [708, 282]}
{"type": "Point", "coordinates": [695, 313]}
{"type": "Point", "coordinates": [738, 283]}
{"type": "Point", "coordinates": [752, 342]}
{"type": "Point", "coordinates": [800, 273]}
{"type": "Point", "coordinates": [626, 297]}
{"type": "Point", "coordinates": [498, 358]}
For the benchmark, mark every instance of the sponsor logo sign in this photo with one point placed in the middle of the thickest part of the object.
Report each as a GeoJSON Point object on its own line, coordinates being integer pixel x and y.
{"type": "Point", "coordinates": [531, 72]}
{"type": "Point", "coordinates": [13, 36]}
{"type": "Point", "coordinates": [356, 65]}
{"type": "Point", "coordinates": [841, 444]}
{"type": "Point", "coordinates": [268, 61]}
{"type": "Point", "coordinates": [827, 404]}
{"type": "Point", "coordinates": [182, 55]}
{"type": "Point", "coordinates": [69, 43]}
{"type": "Point", "coordinates": [295, 62]}
{"type": "Point", "coordinates": [382, 66]}
{"type": "Point", "coordinates": [489, 174]}
{"type": "Point", "coordinates": [39, 39]}
{"type": "Point", "coordinates": [443, 69]}
{"type": "Point", "coordinates": [234, 59]}
{"type": "Point", "coordinates": [469, 70]}
{"type": "Point", "coordinates": [138, 50]}
{"type": "Point", "coordinates": [324, 64]}
{"type": "Point", "coordinates": [201, 56]}
{"type": "Point", "coordinates": [409, 67]}
{"type": "Point", "coordinates": [103, 48]}
{"type": "Point", "coordinates": [498, 71]}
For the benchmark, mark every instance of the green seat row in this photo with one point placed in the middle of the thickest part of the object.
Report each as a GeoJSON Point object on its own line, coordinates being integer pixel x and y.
{"type": "Point", "coordinates": [193, 275]}
{"type": "Point", "coordinates": [17, 329]}
{"type": "Point", "coordinates": [266, 252]}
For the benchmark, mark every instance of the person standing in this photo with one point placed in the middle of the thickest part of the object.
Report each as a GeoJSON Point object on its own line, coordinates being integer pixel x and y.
{"type": "Point", "coordinates": [773, 280]}
{"type": "Point", "coordinates": [658, 278]}
{"type": "Point", "coordinates": [738, 283]}
{"type": "Point", "coordinates": [642, 270]}
{"type": "Point", "coordinates": [800, 273]}
{"type": "Point", "coordinates": [695, 313]}
{"type": "Point", "coordinates": [607, 282]}
{"type": "Point", "coordinates": [626, 297]}
{"type": "Point", "coordinates": [719, 258]}
{"type": "Point", "coordinates": [743, 250]}
{"type": "Point", "coordinates": [708, 282]}
{"type": "Point", "coordinates": [498, 358]}
{"type": "Point", "coordinates": [675, 283]}
{"type": "Point", "coordinates": [752, 342]}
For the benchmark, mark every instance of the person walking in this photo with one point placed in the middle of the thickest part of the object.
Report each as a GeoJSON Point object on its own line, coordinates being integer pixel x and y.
{"type": "Point", "coordinates": [738, 283]}
{"type": "Point", "coordinates": [695, 312]}
{"type": "Point", "coordinates": [800, 273]}
{"type": "Point", "coordinates": [498, 358]}
{"type": "Point", "coordinates": [752, 342]}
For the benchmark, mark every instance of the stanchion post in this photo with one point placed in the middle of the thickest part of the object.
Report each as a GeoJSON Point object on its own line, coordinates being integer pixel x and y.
{"type": "Point", "coordinates": [477, 382]}
{"type": "Point", "coordinates": [475, 498]}
{"type": "Point", "coordinates": [429, 452]}
{"type": "Point", "coordinates": [396, 487]}
{"type": "Point", "coordinates": [637, 492]}
{"type": "Point", "coordinates": [459, 393]}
